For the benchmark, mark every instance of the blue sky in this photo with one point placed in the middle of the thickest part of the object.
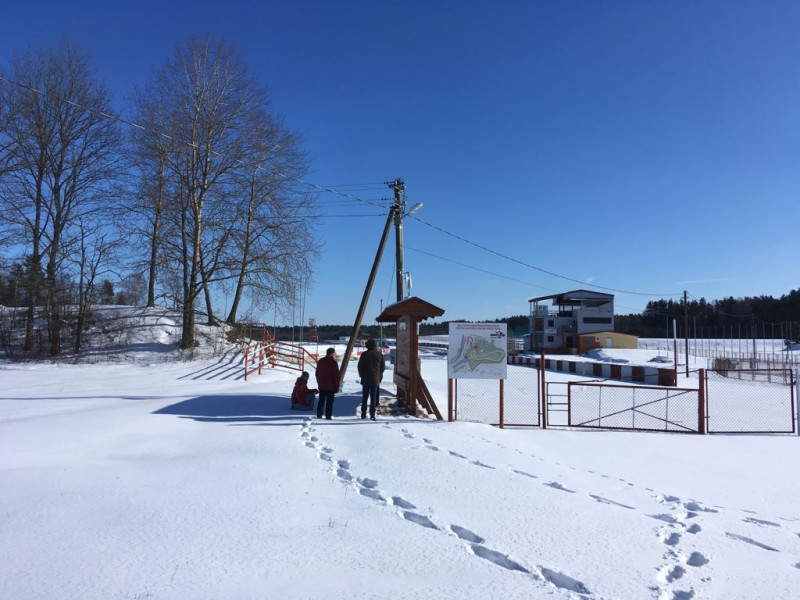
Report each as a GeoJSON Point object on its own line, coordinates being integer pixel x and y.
{"type": "Point", "coordinates": [643, 147]}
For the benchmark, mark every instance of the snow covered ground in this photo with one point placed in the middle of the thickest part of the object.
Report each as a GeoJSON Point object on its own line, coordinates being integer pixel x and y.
{"type": "Point", "coordinates": [153, 479]}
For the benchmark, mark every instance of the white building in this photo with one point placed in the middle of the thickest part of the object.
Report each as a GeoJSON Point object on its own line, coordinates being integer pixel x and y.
{"type": "Point", "coordinates": [557, 322]}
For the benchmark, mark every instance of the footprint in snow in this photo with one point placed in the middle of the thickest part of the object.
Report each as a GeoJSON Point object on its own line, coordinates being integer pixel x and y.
{"type": "Point", "coordinates": [607, 501]}
{"type": "Point", "coordinates": [466, 535]}
{"type": "Point", "coordinates": [563, 581]}
{"type": "Point", "coordinates": [525, 474]}
{"type": "Point", "coordinates": [419, 520]}
{"type": "Point", "coordinates": [371, 493]}
{"type": "Point", "coordinates": [670, 538]}
{"type": "Point", "coordinates": [557, 486]}
{"type": "Point", "coordinates": [501, 560]}
{"type": "Point", "coordinates": [401, 503]}
{"type": "Point", "coordinates": [664, 517]}
{"type": "Point", "coordinates": [456, 454]}
{"type": "Point", "coordinates": [760, 522]}
{"type": "Point", "coordinates": [696, 559]}
{"type": "Point", "coordinates": [368, 483]}
{"type": "Point", "coordinates": [478, 463]}
{"type": "Point", "coordinates": [434, 448]}
{"type": "Point", "coordinates": [697, 507]}
{"type": "Point", "coordinates": [667, 499]}
{"type": "Point", "coordinates": [748, 540]}
{"type": "Point", "coordinates": [670, 573]}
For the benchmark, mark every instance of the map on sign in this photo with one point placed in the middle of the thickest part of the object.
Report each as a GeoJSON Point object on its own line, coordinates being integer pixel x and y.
{"type": "Point", "coordinates": [477, 351]}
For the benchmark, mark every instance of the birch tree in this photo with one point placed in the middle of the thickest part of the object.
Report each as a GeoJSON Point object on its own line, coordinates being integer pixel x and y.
{"type": "Point", "coordinates": [205, 110]}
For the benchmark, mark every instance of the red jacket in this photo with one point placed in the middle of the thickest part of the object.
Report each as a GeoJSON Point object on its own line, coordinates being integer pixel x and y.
{"type": "Point", "coordinates": [300, 392]}
{"type": "Point", "coordinates": [328, 374]}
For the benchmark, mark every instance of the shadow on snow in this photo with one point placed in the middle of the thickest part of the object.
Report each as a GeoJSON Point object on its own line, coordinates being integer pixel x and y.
{"type": "Point", "coordinates": [253, 410]}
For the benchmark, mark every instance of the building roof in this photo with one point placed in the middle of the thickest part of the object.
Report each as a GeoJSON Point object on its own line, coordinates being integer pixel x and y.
{"type": "Point", "coordinates": [573, 295]}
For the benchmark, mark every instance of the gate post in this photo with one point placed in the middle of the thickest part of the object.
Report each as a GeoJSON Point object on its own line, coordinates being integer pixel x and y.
{"type": "Point", "coordinates": [450, 399]}
{"type": "Point", "coordinates": [502, 403]}
{"type": "Point", "coordinates": [543, 392]}
{"type": "Point", "coordinates": [796, 397]}
{"type": "Point", "coordinates": [701, 401]}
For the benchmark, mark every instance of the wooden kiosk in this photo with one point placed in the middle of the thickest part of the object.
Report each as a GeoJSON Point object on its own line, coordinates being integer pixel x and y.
{"type": "Point", "coordinates": [411, 389]}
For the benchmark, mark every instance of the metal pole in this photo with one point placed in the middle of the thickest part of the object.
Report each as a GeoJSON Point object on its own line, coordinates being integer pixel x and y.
{"type": "Point", "coordinates": [365, 298]}
{"type": "Point", "coordinates": [543, 391]}
{"type": "Point", "coordinates": [686, 327]}
{"type": "Point", "coordinates": [450, 402]}
{"type": "Point", "coordinates": [701, 401]}
{"type": "Point", "coordinates": [502, 407]}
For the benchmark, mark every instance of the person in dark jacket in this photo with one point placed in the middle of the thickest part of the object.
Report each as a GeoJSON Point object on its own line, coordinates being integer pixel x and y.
{"type": "Point", "coordinates": [302, 397]}
{"type": "Point", "coordinates": [371, 366]}
{"type": "Point", "coordinates": [328, 383]}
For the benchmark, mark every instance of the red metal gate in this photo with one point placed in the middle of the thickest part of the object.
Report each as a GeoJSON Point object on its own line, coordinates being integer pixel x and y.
{"type": "Point", "coordinates": [634, 407]}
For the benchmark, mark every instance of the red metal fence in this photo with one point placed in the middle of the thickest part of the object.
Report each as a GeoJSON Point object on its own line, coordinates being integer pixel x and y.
{"type": "Point", "coordinates": [750, 401]}
{"type": "Point", "coordinates": [741, 401]}
{"type": "Point", "coordinates": [272, 353]}
{"type": "Point", "coordinates": [514, 401]}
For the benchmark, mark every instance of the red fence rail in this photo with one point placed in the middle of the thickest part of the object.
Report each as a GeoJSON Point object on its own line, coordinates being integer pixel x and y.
{"type": "Point", "coordinates": [270, 352]}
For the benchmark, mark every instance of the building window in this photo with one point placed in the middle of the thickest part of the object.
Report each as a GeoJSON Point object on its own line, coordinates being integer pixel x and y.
{"type": "Point", "coordinates": [604, 320]}
{"type": "Point", "coordinates": [550, 323]}
{"type": "Point", "coordinates": [550, 338]}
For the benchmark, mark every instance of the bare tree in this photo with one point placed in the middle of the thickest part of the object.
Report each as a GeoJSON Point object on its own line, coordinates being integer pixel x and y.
{"type": "Point", "coordinates": [274, 244]}
{"type": "Point", "coordinates": [94, 248]}
{"type": "Point", "coordinates": [63, 149]}
{"type": "Point", "coordinates": [205, 110]}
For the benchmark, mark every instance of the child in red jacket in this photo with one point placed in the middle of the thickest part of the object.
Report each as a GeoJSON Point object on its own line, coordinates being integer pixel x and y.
{"type": "Point", "coordinates": [302, 397]}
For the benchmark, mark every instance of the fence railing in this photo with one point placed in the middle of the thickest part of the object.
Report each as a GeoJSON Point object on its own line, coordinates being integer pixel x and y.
{"type": "Point", "coordinates": [272, 353]}
{"type": "Point", "coordinates": [724, 401]}
{"type": "Point", "coordinates": [771, 355]}
{"type": "Point", "coordinates": [750, 401]}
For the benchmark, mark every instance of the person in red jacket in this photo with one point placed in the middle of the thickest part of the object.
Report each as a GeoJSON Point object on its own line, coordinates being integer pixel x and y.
{"type": "Point", "coordinates": [328, 382]}
{"type": "Point", "coordinates": [302, 397]}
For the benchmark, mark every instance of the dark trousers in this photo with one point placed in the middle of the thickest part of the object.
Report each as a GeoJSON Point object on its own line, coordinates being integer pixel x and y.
{"type": "Point", "coordinates": [370, 391]}
{"type": "Point", "coordinates": [326, 402]}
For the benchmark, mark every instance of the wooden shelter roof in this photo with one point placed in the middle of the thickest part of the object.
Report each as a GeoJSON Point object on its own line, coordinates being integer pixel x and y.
{"type": "Point", "coordinates": [409, 307]}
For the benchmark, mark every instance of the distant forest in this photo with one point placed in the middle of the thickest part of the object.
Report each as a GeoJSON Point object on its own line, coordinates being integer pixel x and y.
{"type": "Point", "coordinates": [750, 317]}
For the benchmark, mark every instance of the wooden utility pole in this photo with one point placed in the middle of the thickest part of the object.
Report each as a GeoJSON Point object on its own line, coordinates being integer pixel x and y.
{"type": "Point", "coordinates": [399, 188]}
{"type": "Point", "coordinates": [365, 298]}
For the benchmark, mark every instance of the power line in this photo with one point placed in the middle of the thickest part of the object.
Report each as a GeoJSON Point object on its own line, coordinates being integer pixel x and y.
{"type": "Point", "coordinates": [343, 194]}
{"type": "Point", "coordinates": [534, 267]}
